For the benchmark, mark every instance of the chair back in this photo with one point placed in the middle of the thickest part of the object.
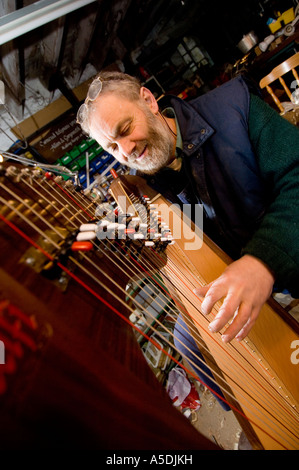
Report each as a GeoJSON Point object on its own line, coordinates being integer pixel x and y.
{"type": "Point", "coordinates": [277, 73]}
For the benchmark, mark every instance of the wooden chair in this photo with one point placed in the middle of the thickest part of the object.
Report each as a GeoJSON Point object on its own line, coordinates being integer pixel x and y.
{"type": "Point", "coordinates": [277, 74]}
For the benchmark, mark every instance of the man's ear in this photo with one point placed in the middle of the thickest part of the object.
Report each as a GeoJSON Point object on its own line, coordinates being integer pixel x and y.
{"type": "Point", "coordinates": [149, 98]}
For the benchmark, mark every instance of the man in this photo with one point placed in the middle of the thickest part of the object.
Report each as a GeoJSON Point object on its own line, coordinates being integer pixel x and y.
{"type": "Point", "coordinates": [230, 152]}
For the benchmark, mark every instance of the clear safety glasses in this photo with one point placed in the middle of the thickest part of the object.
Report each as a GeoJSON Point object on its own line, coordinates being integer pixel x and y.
{"type": "Point", "coordinates": [93, 92]}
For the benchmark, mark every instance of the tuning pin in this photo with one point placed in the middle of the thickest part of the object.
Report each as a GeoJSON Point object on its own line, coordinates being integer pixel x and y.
{"type": "Point", "coordinates": [82, 246]}
{"type": "Point", "coordinates": [37, 172]}
{"type": "Point", "coordinates": [85, 236]}
{"type": "Point", "coordinates": [88, 227]}
{"type": "Point", "coordinates": [11, 171]}
{"type": "Point", "coordinates": [113, 173]}
{"type": "Point", "coordinates": [58, 179]}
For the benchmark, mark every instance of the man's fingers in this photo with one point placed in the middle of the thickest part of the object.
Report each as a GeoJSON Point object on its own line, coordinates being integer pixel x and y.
{"type": "Point", "coordinates": [211, 293]}
{"type": "Point", "coordinates": [242, 323]}
{"type": "Point", "coordinates": [245, 286]}
{"type": "Point", "coordinates": [203, 291]}
{"type": "Point", "coordinates": [227, 310]}
{"type": "Point", "coordinates": [247, 327]}
{"type": "Point", "coordinates": [241, 319]}
{"type": "Point", "coordinates": [243, 314]}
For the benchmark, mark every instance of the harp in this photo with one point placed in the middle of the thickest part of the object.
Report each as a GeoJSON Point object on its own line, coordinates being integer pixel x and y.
{"type": "Point", "coordinates": [69, 344]}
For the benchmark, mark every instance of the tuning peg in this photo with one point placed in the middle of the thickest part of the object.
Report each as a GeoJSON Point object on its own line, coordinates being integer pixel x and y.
{"type": "Point", "coordinates": [88, 227]}
{"type": "Point", "coordinates": [85, 236]}
{"type": "Point", "coordinates": [82, 246]}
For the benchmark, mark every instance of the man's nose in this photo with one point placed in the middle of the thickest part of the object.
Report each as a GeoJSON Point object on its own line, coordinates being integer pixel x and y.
{"type": "Point", "coordinates": [126, 146]}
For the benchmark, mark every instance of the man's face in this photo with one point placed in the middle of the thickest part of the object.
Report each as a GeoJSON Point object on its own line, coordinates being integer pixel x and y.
{"type": "Point", "coordinates": [132, 133]}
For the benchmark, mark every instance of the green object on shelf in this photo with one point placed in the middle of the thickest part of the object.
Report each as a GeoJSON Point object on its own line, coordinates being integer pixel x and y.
{"type": "Point", "coordinates": [83, 146]}
{"type": "Point", "coordinates": [81, 161]}
{"type": "Point", "coordinates": [98, 149]}
{"type": "Point", "coordinates": [74, 166]}
{"type": "Point", "coordinates": [65, 160]}
{"type": "Point", "coordinates": [75, 152]}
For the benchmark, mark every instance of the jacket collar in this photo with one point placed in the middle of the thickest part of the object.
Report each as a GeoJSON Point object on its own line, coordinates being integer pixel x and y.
{"type": "Point", "coordinates": [194, 129]}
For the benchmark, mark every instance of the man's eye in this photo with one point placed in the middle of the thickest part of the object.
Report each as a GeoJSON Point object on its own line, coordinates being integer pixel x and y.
{"type": "Point", "coordinates": [126, 129]}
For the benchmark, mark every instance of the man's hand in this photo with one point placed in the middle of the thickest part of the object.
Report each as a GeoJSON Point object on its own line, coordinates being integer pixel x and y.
{"type": "Point", "coordinates": [244, 286]}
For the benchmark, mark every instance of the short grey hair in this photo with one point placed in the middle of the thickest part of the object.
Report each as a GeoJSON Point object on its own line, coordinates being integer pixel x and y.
{"type": "Point", "coordinates": [122, 83]}
{"type": "Point", "coordinates": [118, 83]}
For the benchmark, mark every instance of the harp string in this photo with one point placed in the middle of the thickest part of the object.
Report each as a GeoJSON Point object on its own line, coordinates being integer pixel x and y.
{"type": "Point", "coordinates": [124, 303]}
{"type": "Point", "coordinates": [51, 258]}
{"type": "Point", "coordinates": [171, 312]}
{"type": "Point", "coordinates": [195, 283]}
{"type": "Point", "coordinates": [215, 309]}
{"type": "Point", "coordinates": [32, 209]}
{"type": "Point", "coordinates": [49, 193]}
{"type": "Point", "coordinates": [53, 228]}
{"type": "Point", "coordinates": [89, 289]}
{"type": "Point", "coordinates": [85, 211]}
{"type": "Point", "coordinates": [268, 395]}
{"type": "Point", "coordinates": [44, 220]}
{"type": "Point", "coordinates": [65, 209]}
{"type": "Point", "coordinates": [278, 393]}
{"type": "Point", "coordinates": [71, 197]}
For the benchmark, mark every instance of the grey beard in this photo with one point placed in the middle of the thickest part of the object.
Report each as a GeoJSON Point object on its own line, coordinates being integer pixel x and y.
{"type": "Point", "coordinates": [160, 144]}
{"type": "Point", "coordinates": [156, 160]}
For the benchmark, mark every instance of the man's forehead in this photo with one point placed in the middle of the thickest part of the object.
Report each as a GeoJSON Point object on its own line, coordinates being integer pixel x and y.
{"type": "Point", "coordinates": [112, 102]}
{"type": "Point", "coordinates": [109, 108]}
{"type": "Point", "coordinates": [110, 113]}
